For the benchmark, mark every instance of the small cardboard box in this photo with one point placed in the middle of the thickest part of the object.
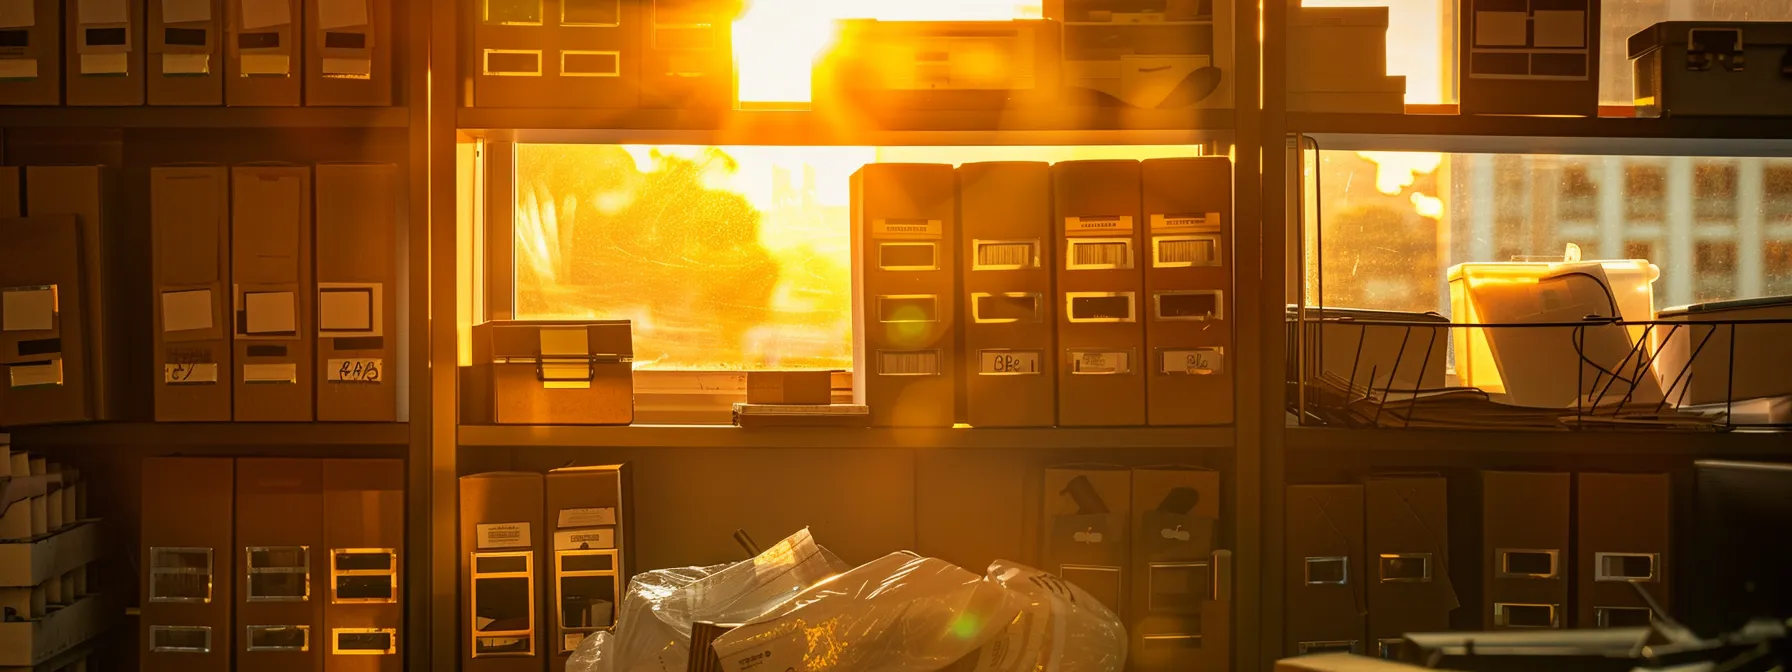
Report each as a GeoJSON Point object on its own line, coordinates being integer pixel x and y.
{"type": "Point", "coordinates": [1085, 523]}
{"type": "Point", "coordinates": [1177, 614]}
{"type": "Point", "coordinates": [790, 387]}
{"type": "Point", "coordinates": [553, 372]}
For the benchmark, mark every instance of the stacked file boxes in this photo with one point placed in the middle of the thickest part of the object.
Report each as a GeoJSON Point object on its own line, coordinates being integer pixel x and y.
{"type": "Point", "coordinates": [47, 542]}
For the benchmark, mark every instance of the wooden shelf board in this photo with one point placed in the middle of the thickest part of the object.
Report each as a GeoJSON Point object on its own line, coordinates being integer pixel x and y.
{"type": "Point", "coordinates": [1062, 126]}
{"type": "Point", "coordinates": [205, 117]}
{"type": "Point", "coordinates": [1679, 136]}
{"type": "Point", "coordinates": [723, 436]}
{"type": "Point", "coordinates": [215, 435]}
{"type": "Point", "coordinates": [1739, 443]}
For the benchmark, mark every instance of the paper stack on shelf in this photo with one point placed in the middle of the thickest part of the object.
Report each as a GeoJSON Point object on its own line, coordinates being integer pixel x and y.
{"type": "Point", "coordinates": [1470, 408]}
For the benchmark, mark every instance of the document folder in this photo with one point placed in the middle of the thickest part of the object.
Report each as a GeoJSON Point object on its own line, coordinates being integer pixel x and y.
{"type": "Point", "coordinates": [1188, 215]}
{"type": "Point", "coordinates": [1009, 316]}
{"type": "Point", "coordinates": [904, 236]}
{"type": "Point", "coordinates": [1524, 543]}
{"type": "Point", "coordinates": [558, 53]}
{"type": "Point", "coordinates": [279, 550]}
{"type": "Point", "coordinates": [187, 561]}
{"type": "Point", "coordinates": [501, 541]}
{"type": "Point", "coordinates": [357, 293]}
{"type": "Point", "coordinates": [1101, 381]}
{"type": "Point", "coordinates": [1623, 523]}
{"type": "Point", "coordinates": [190, 221]}
{"type": "Point", "coordinates": [270, 268]}
{"type": "Point", "coordinates": [1324, 576]}
{"type": "Point", "coordinates": [364, 547]}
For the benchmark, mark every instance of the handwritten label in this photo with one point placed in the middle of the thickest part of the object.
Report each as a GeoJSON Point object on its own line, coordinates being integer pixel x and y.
{"type": "Point", "coordinates": [1100, 362]}
{"type": "Point", "coordinates": [1009, 363]}
{"type": "Point", "coordinates": [502, 535]}
{"type": "Point", "coordinates": [190, 373]}
{"type": "Point", "coordinates": [1197, 361]}
{"type": "Point", "coordinates": [355, 370]}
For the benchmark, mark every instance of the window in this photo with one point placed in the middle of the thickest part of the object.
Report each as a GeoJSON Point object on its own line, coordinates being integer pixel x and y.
{"type": "Point", "coordinates": [1776, 187]}
{"type": "Point", "coordinates": [1579, 194]}
{"type": "Point", "coordinates": [1715, 262]}
{"type": "Point", "coordinates": [1778, 266]}
{"type": "Point", "coordinates": [1714, 190]}
{"type": "Point", "coordinates": [1645, 188]}
{"type": "Point", "coordinates": [724, 258]}
{"type": "Point", "coordinates": [1639, 249]}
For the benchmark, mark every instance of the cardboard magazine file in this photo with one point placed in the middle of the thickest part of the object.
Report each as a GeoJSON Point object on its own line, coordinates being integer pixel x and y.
{"type": "Point", "coordinates": [1623, 524]}
{"type": "Point", "coordinates": [1010, 313]}
{"type": "Point", "coordinates": [590, 517]}
{"type": "Point", "coordinates": [1408, 554]}
{"type": "Point", "coordinates": [364, 538]}
{"type": "Point", "coordinates": [357, 293]}
{"type": "Point", "coordinates": [186, 52]}
{"type": "Point", "coordinates": [552, 372]}
{"type": "Point", "coordinates": [501, 542]}
{"type": "Point", "coordinates": [271, 281]}
{"type": "Point", "coordinates": [1187, 204]}
{"type": "Point", "coordinates": [1179, 608]}
{"type": "Point", "coordinates": [187, 589]}
{"type": "Point", "coordinates": [348, 52]}
{"type": "Point", "coordinates": [190, 223]}
{"type": "Point", "coordinates": [104, 52]}
{"type": "Point", "coordinates": [1101, 379]}
{"type": "Point", "coordinates": [265, 53]}
{"type": "Point", "coordinates": [43, 331]}
{"type": "Point", "coordinates": [90, 194]}
{"type": "Point", "coordinates": [1086, 529]}
{"type": "Point", "coordinates": [1324, 570]}
{"type": "Point", "coordinates": [31, 60]}
{"type": "Point", "coordinates": [1524, 549]}
{"type": "Point", "coordinates": [905, 310]}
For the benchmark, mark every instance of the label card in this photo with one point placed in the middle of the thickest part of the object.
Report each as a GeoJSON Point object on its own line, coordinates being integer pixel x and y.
{"type": "Point", "coordinates": [270, 313]}
{"type": "Point", "coordinates": [362, 370]}
{"type": "Point", "coordinates": [1099, 362]}
{"type": "Point", "coordinates": [28, 309]}
{"type": "Point", "coordinates": [29, 375]}
{"type": "Point", "coordinates": [503, 535]}
{"type": "Point", "coordinates": [597, 537]}
{"type": "Point", "coordinates": [271, 373]}
{"type": "Point", "coordinates": [187, 311]}
{"type": "Point", "coordinates": [268, 65]}
{"type": "Point", "coordinates": [1009, 363]}
{"type": "Point", "coordinates": [347, 308]}
{"type": "Point", "coordinates": [587, 517]}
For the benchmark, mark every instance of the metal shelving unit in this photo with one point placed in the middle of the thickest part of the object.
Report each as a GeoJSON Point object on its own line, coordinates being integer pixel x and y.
{"type": "Point", "coordinates": [295, 435]}
{"type": "Point", "coordinates": [723, 436]}
{"type": "Point", "coordinates": [1062, 126]}
{"type": "Point", "coordinates": [204, 117]}
{"type": "Point", "coordinates": [1685, 136]}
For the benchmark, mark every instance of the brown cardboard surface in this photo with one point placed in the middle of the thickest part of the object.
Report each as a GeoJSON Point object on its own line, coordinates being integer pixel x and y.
{"type": "Point", "coordinates": [92, 40]}
{"type": "Point", "coordinates": [190, 222]}
{"type": "Point", "coordinates": [263, 87]}
{"type": "Point", "coordinates": [552, 43]}
{"type": "Point", "coordinates": [790, 387]}
{"type": "Point", "coordinates": [1325, 608]}
{"type": "Point", "coordinates": [337, 54]}
{"type": "Point", "coordinates": [1091, 391]}
{"type": "Point", "coordinates": [188, 504]}
{"type": "Point", "coordinates": [363, 511]}
{"type": "Point", "coordinates": [513, 502]}
{"type": "Point", "coordinates": [270, 243]}
{"type": "Point", "coordinates": [1010, 366]}
{"type": "Point", "coordinates": [1188, 380]}
{"type": "Point", "coordinates": [1408, 528]}
{"type": "Point", "coordinates": [1630, 514]}
{"type": "Point", "coordinates": [1085, 524]}
{"type": "Point", "coordinates": [1341, 662]}
{"type": "Point", "coordinates": [905, 310]}
{"type": "Point", "coordinates": [1175, 529]}
{"type": "Point", "coordinates": [1525, 512]}
{"type": "Point", "coordinates": [514, 392]}
{"type": "Point", "coordinates": [687, 53]}
{"type": "Point", "coordinates": [44, 48]}
{"type": "Point", "coordinates": [88, 193]}
{"type": "Point", "coordinates": [585, 503]}
{"type": "Point", "coordinates": [280, 512]}
{"type": "Point", "coordinates": [9, 193]}
{"type": "Point", "coordinates": [36, 252]}
{"type": "Point", "coordinates": [173, 79]}
{"type": "Point", "coordinates": [357, 368]}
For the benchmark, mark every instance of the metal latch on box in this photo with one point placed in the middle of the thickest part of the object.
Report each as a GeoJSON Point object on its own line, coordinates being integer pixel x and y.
{"type": "Point", "coordinates": [1723, 46]}
{"type": "Point", "coordinates": [564, 360]}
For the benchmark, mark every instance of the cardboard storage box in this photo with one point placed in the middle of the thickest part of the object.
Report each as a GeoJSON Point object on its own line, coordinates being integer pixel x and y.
{"type": "Point", "coordinates": [553, 372]}
{"type": "Point", "coordinates": [1703, 68]}
{"type": "Point", "coordinates": [790, 387]}
{"type": "Point", "coordinates": [1696, 364]}
{"type": "Point", "coordinates": [1085, 525]}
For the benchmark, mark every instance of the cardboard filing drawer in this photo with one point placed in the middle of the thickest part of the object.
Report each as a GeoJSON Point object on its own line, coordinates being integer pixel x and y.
{"type": "Point", "coordinates": [905, 310]}
{"type": "Point", "coordinates": [880, 66]}
{"type": "Point", "coordinates": [1009, 317]}
{"type": "Point", "coordinates": [348, 52]}
{"type": "Point", "coordinates": [104, 52]}
{"type": "Point", "coordinates": [553, 372]}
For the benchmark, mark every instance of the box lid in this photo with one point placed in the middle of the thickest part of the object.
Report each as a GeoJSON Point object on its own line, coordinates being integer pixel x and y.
{"type": "Point", "coordinates": [1678, 32]}
{"type": "Point", "coordinates": [1733, 305]}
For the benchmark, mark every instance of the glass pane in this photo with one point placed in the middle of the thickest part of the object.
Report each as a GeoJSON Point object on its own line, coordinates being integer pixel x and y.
{"type": "Point", "coordinates": [278, 586]}
{"type": "Point", "coordinates": [735, 257]}
{"type": "Point", "coordinates": [593, 562]}
{"type": "Point", "coordinates": [521, 12]}
{"type": "Point", "coordinates": [281, 557]}
{"type": "Point", "coordinates": [361, 587]}
{"type": "Point", "coordinates": [180, 587]}
{"type": "Point", "coordinates": [502, 605]}
{"type": "Point", "coordinates": [363, 561]}
{"type": "Point", "coordinates": [587, 601]}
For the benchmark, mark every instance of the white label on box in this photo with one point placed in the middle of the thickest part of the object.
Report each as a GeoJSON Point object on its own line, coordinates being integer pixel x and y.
{"type": "Point", "coordinates": [1195, 361]}
{"type": "Point", "coordinates": [502, 535]}
{"type": "Point", "coordinates": [31, 375]}
{"type": "Point", "coordinates": [333, 14]}
{"type": "Point", "coordinates": [270, 313]}
{"type": "Point", "coordinates": [906, 227]}
{"type": "Point", "coordinates": [18, 13]}
{"type": "Point", "coordinates": [186, 64]}
{"type": "Point", "coordinates": [570, 641]}
{"type": "Point", "coordinates": [1118, 224]}
{"type": "Point", "coordinates": [190, 373]}
{"type": "Point", "coordinates": [587, 517]}
{"type": "Point", "coordinates": [267, 65]}
{"type": "Point", "coordinates": [28, 308]}
{"type": "Point", "coordinates": [1099, 362]}
{"type": "Point", "coordinates": [345, 307]}
{"type": "Point", "coordinates": [351, 68]}
{"type": "Point", "coordinates": [187, 311]}
{"type": "Point", "coordinates": [265, 13]}
{"type": "Point", "coordinates": [105, 64]}
{"type": "Point", "coordinates": [1009, 363]}
{"type": "Point", "coordinates": [182, 11]}
{"type": "Point", "coordinates": [271, 373]}
{"type": "Point", "coordinates": [362, 370]}
{"type": "Point", "coordinates": [597, 537]}
{"type": "Point", "coordinates": [18, 68]}
{"type": "Point", "coordinates": [92, 12]}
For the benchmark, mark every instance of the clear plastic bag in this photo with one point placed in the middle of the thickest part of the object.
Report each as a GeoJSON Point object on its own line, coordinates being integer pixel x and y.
{"type": "Point", "coordinates": [653, 628]}
{"type": "Point", "coordinates": [1062, 629]}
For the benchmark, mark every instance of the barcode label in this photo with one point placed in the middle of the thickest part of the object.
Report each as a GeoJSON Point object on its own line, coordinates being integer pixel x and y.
{"type": "Point", "coordinates": [1006, 255]}
{"type": "Point", "coordinates": [906, 227]}
{"type": "Point", "coordinates": [1116, 224]}
{"type": "Point", "coordinates": [1100, 254]}
{"type": "Point", "coordinates": [911, 363]}
{"type": "Point", "coordinates": [1202, 222]}
{"type": "Point", "coordinates": [1195, 361]}
{"type": "Point", "coordinates": [1177, 252]}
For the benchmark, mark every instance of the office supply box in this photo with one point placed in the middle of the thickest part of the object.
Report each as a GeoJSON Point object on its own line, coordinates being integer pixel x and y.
{"type": "Point", "coordinates": [186, 52]}
{"type": "Point", "coordinates": [31, 53]}
{"type": "Point", "coordinates": [357, 293]}
{"type": "Point", "coordinates": [265, 53]}
{"type": "Point", "coordinates": [1706, 68]}
{"type": "Point", "coordinates": [43, 331]}
{"type": "Point", "coordinates": [187, 528]}
{"type": "Point", "coordinates": [1187, 205]}
{"type": "Point", "coordinates": [790, 387]}
{"type": "Point", "coordinates": [905, 261]}
{"type": "Point", "coordinates": [1538, 58]}
{"type": "Point", "coordinates": [552, 372]}
{"type": "Point", "coordinates": [1180, 598]}
{"type": "Point", "coordinates": [557, 53]}
{"type": "Point", "coordinates": [189, 219]}
{"type": "Point", "coordinates": [589, 517]}
{"type": "Point", "coordinates": [1010, 315]}
{"type": "Point", "coordinates": [1324, 570]}
{"type": "Point", "coordinates": [1100, 379]}
{"type": "Point", "coordinates": [1524, 545]}
{"type": "Point", "coordinates": [270, 270]}
{"type": "Point", "coordinates": [884, 67]}
{"type": "Point", "coordinates": [105, 52]}
{"type": "Point", "coordinates": [1704, 360]}
{"type": "Point", "coordinates": [1085, 527]}
{"type": "Point", "coordinates": [501, 541]}
{"type": "Point", "coordinates": [1337, 61]}
{"type": "Point", "coordinates": [348, 52]}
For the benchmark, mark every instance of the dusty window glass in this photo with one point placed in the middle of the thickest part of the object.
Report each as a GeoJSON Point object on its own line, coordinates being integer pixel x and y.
{"type": "Point", "coordinates": [724, 258]}
{"type": "Point", "coordinates": [1394, 223]}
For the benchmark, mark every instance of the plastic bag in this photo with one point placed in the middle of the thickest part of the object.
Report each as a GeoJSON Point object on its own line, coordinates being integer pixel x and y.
{"type": "Point", "coordinates": [653, 628]}
{"type": "Point", "coordinates": [904, 613]}
{"type": "Point", "coordinates": [899, 613]}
